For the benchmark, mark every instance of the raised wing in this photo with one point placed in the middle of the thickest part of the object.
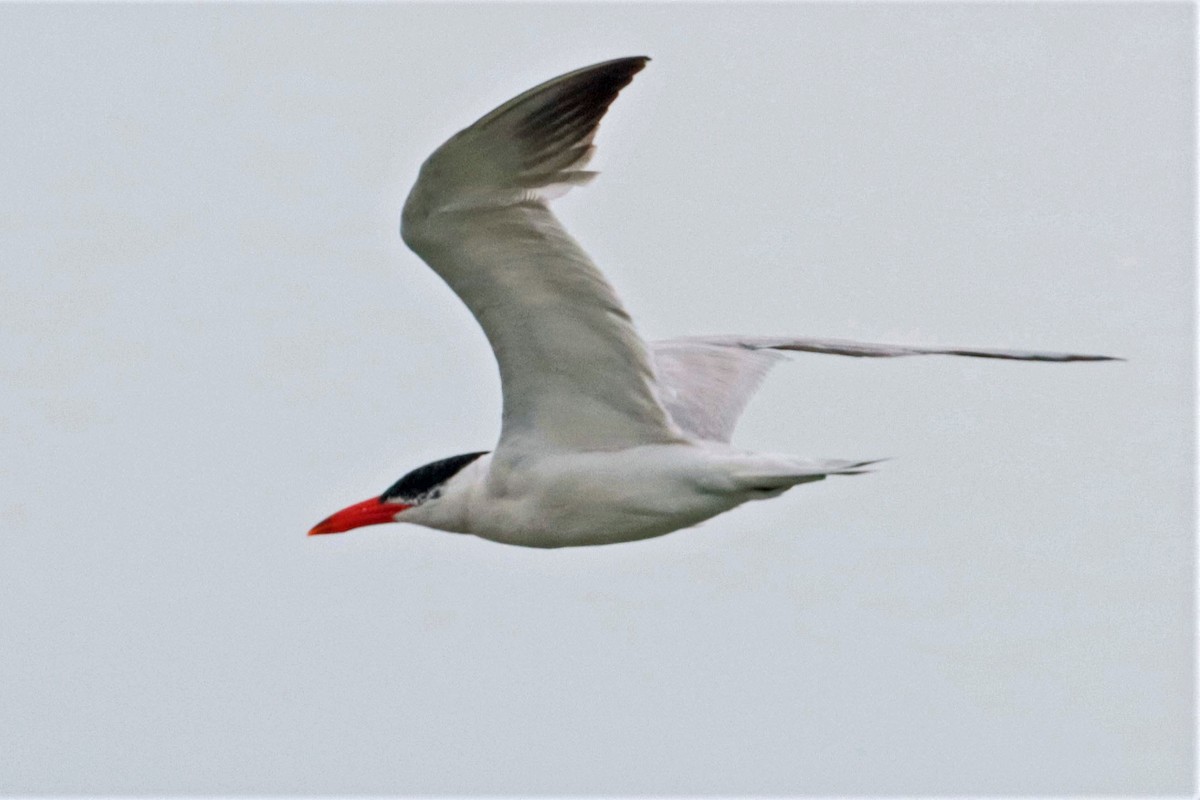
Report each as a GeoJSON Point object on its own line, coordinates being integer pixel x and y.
{"type": "Point", "coordinates": [575, 373]}
{"type": "Point", "coordinates": [705, 382]}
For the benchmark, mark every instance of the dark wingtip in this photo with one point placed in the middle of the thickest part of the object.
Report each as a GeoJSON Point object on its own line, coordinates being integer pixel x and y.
{"type": "Point", "coordinates": [633, 62]}
{"type": "Point", "coordinates": [567, 110]}
{"type": "Point", "coordinates": [636, 64]}
{"type": "Point", "coordinates": [1074, 357]}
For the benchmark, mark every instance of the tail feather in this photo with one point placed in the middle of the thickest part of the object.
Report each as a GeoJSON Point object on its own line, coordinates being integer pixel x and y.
{"type": "Point", "coordinates": [797, 471]}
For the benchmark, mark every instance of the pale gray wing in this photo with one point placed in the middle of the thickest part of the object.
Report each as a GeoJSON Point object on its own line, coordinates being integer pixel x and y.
{"type": "Point", "coordinates": [705, 382]}
{"type": "Point", "coordinates": [575, 373]}
{"type": "Point", "coordinates": [706, 385]}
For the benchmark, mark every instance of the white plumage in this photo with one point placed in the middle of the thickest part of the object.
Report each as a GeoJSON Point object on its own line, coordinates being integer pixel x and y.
{"type": "Point", "coordinates": [603, 438]}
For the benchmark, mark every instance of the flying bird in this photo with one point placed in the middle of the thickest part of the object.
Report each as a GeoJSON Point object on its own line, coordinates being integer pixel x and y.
{"type": "Point", "coordinates": [604, 437]}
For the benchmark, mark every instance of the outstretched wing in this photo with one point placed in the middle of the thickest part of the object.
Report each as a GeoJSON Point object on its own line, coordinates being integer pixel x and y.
{"type": "Point", "coordinates": [705, 382]}
{"type": "Point", "coordinates": [575, 373]}
{"type": "Point", "coordinates": [841, 347]}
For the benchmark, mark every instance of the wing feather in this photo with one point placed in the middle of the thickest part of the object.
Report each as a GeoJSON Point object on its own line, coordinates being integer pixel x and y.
{"type": "Point", "coordinates": [841, 347]}
{"type": "Point", "coordinates": [706, 386]}
{"type": "Point", "coordinates": [706, 382]}
{"type": "Point", "coordinates": [575, 373]}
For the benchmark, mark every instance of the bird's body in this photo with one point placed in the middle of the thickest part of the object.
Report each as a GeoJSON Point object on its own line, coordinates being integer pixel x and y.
{"type": "Point", "coordinates": [603, 497]}
{"type": "Point", "coordinates": [604, 438]}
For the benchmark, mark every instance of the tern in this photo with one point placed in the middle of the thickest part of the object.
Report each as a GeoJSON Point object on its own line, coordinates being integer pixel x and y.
{"type": "Point", "coordinates": [604, 437]}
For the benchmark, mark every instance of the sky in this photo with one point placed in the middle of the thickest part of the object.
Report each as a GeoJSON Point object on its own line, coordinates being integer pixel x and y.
{"type": "Point", "coordinates": [211, 337]}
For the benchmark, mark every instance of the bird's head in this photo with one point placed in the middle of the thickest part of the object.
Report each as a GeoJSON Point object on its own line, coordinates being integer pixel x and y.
{"type": "Point", "coordinates": [419, 487]}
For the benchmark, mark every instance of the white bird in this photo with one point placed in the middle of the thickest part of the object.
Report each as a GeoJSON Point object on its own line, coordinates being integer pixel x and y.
{"type": "Point", "coordinates": [604, 438]}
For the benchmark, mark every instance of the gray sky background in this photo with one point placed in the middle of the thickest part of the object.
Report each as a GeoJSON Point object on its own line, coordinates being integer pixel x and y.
{"type": "Point", "coordinates": [211, 337]}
